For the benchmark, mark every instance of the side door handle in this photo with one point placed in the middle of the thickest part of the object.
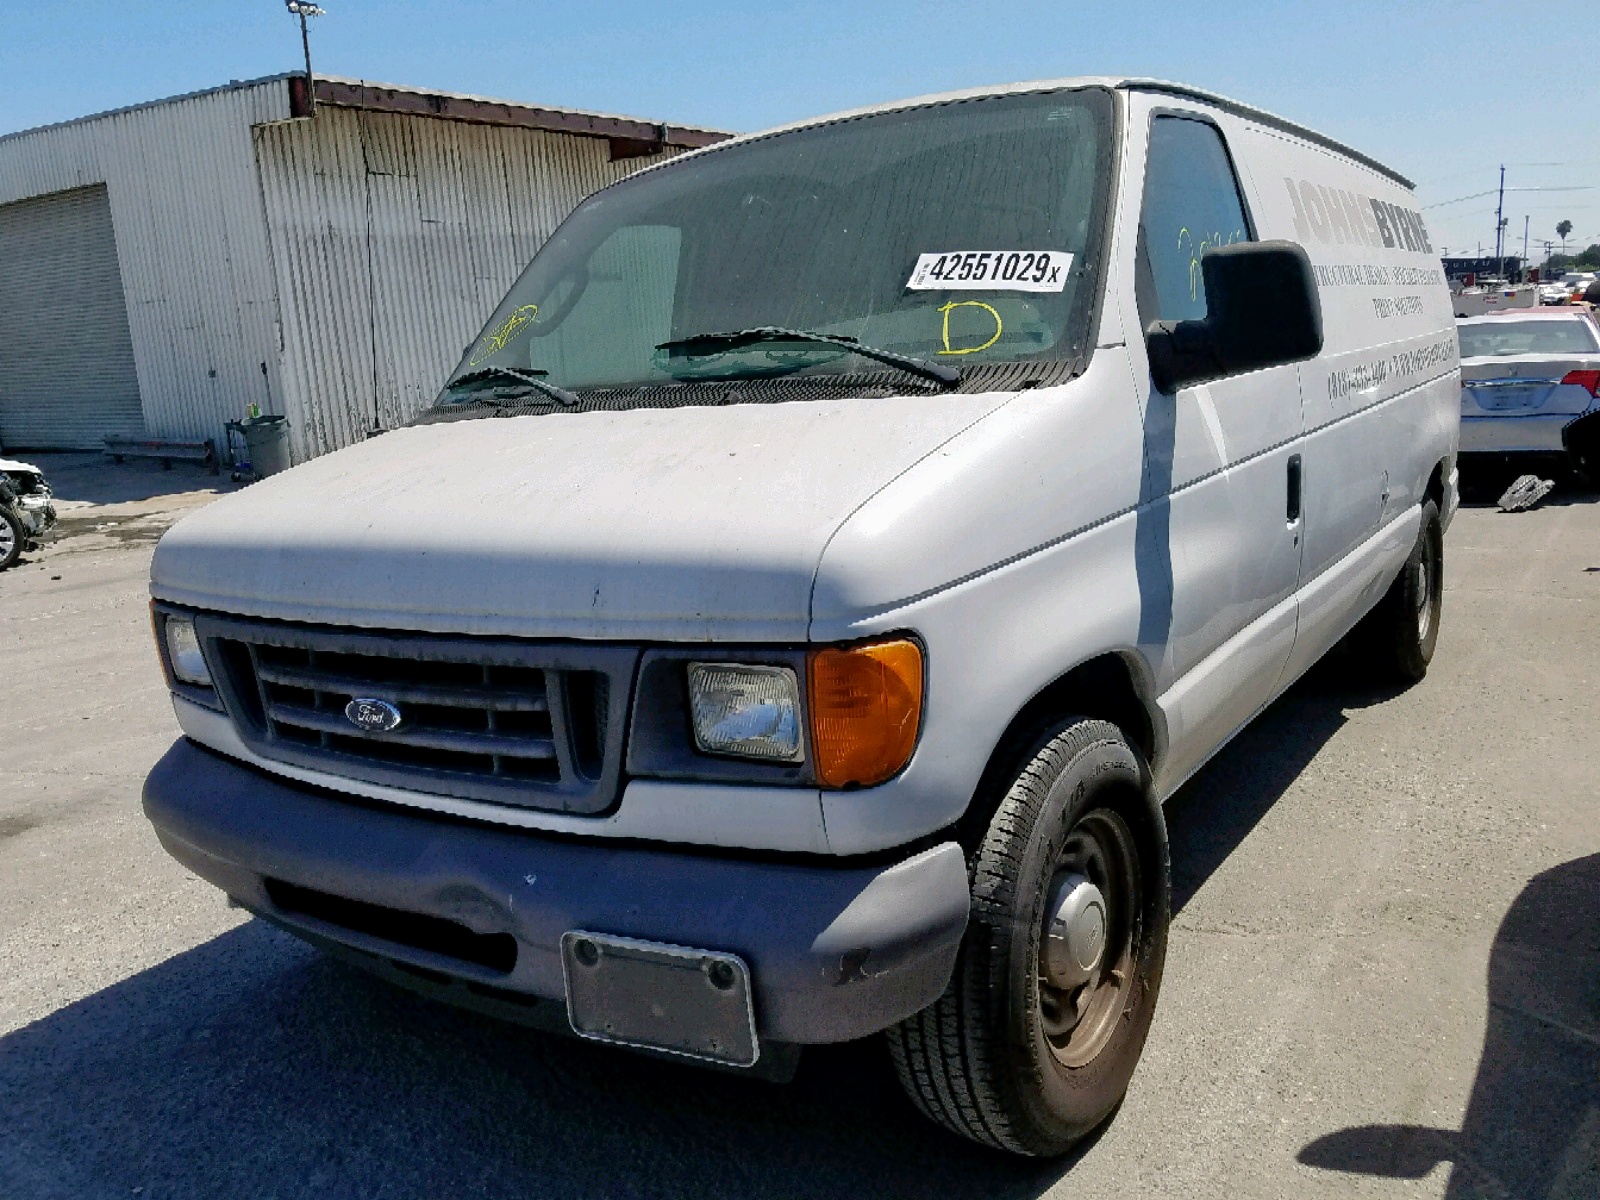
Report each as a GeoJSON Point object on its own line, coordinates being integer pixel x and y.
{"type": "Point", "coordinates": [1293, 507]}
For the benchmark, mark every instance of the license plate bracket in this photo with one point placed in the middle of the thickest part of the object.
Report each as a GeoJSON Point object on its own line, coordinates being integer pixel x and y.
{"type": "Point", "coordinates": [656, 996]}
{"type": "Point", "coordinates": [1509, 396]}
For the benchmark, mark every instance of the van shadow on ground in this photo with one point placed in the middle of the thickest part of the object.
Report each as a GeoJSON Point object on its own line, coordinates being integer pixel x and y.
{"type": "Point", "coordinates": [252, 1066]}
{"type": "Point", "coordinates": [1532, 1127]}
{"type": "Point", "coordinates": [1215, 811]}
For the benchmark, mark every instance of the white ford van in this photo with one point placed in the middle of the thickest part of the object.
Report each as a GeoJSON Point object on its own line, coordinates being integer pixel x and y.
{"type": "Point", "coordinates": [855, 531]}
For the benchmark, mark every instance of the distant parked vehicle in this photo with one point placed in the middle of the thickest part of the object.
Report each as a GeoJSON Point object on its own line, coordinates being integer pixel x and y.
{"type": "Point", "coordinates": [1494, 295]}
{"type": "Point", "coordinates": [1529, 381]}
{"type": "Point", "coordinates": [1555, 293]}
{"type": "Point", "coordinates": [1576, 283]}
{"type": "Point", "coordinates": [26, 510]}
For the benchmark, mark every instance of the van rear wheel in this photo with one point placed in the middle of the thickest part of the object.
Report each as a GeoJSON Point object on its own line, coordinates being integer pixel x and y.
{"type": "Point", "coordinates": [1397, 638]}
{"type": "Point", "coordinates": [1036, 1037]}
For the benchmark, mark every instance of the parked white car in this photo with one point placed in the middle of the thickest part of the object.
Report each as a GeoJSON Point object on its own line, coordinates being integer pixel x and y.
{"type": "Point", "coordinates": [857, 531]}
{"type": "Point", "coordinates": [1528, 386]}
{"type": "Point", "coordinates": [27, 510]}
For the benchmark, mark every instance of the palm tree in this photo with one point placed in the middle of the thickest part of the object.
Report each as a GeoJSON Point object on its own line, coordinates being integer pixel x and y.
{"type": "Point", "coordinates": [1561, 232]}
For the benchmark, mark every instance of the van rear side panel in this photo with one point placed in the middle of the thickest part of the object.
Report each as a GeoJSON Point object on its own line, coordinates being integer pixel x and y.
{"type": "Point", "coordinates": [1381, 401]}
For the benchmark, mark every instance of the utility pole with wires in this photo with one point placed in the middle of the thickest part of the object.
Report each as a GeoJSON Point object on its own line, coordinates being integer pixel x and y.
{"type": "Point", "coordinates": [1500, 218]}
{"type": "Point", "coordinates": [302, 10]}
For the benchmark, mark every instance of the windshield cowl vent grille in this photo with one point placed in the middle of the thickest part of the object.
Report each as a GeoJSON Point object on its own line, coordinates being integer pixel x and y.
{"type": "Point", "coordinates": [989, 377]}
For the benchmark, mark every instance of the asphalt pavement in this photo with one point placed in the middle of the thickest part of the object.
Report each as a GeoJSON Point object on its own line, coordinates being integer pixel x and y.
{"type": "Point", "coordinates": [1383, 980]}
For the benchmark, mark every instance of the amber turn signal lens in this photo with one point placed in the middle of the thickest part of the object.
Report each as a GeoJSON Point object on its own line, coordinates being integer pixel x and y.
{"type": "Point", "coordinates": [866, 705]}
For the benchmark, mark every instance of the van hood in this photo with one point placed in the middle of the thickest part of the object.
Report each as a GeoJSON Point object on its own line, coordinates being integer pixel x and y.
{"type": "Point", "coordinates": [686, 524]}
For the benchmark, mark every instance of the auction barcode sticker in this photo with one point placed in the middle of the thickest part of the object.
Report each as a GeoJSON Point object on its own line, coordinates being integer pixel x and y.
{"type": "Point", "coordinates": [991, 270]}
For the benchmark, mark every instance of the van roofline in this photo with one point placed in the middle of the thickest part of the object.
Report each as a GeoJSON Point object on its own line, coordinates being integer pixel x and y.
{"type": "Point", "coordinates": [1127, 83]}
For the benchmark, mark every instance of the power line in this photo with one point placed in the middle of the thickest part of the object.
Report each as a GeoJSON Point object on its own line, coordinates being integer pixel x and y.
{"type": "Point", "coordinates": [1582, 187]}
{"type": "Point", "coordinates": [1479, 171]}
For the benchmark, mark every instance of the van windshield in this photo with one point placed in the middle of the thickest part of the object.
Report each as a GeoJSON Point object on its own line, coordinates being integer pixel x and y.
{"type": "Point", "coordinates": [958, 234]}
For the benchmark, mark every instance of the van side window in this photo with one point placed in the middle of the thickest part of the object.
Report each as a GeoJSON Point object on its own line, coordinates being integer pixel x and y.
{"type": "Point", "coordinates": [1191, 204]}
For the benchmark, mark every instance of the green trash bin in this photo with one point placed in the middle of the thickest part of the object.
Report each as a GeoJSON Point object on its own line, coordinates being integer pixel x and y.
{"type": "Point", "coordinates": [266, 440]}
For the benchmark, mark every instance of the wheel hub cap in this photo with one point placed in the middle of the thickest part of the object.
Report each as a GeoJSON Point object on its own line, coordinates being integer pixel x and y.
{"type": "Point", "coordinates": [1075, 932]}
{"type": "Point", "coordinates": [1424, 598]}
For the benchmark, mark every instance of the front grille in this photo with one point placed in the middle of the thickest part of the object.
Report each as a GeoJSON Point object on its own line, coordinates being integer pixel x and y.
{"type": "Point", "coordinates": [525, 723]}
{"type": "Point", "coordinates": [473, 717]}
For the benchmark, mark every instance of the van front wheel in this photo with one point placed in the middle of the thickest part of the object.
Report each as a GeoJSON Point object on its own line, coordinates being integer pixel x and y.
{"type": "Point", "coordinates": [1033, 1043]}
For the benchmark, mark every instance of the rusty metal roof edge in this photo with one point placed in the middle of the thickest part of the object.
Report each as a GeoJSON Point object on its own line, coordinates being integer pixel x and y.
{"type": "Point", "coordinates": [483, 110]}
{"type": "Point", "coordinates": [233, 85]}
{"type": "Point", "coordinates": [374, 96]}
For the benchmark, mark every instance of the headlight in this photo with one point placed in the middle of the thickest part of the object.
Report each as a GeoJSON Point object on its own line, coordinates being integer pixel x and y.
{"type": "Point", "coordinates": [843, 716]}
{"type": "Point", "coordinates": [746, 711]}
{"type": "Point", "coordinates": [183, 652]}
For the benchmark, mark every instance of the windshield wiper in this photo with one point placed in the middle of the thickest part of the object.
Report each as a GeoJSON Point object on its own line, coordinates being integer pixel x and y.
{"type": "Point", "coordinates": [530, 377]}
{"type": "Point", "coordinates": [738, 339]}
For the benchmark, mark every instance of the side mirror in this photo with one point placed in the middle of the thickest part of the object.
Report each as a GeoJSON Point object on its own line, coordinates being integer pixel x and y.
{"type": "Point", "coordinates": [1261, 310]}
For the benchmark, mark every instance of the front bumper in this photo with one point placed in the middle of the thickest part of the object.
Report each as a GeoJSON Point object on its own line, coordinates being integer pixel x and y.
{"type": "Point", "coordinates": [38, 515]}
{"type": "Point", "coordinates": [835, 952]}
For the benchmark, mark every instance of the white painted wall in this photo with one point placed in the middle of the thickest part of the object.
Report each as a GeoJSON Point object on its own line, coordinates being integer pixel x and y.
{"type": "Point", "coordinates": [431, 219]}
{"type": "Point", "coordinates": [191, 243]}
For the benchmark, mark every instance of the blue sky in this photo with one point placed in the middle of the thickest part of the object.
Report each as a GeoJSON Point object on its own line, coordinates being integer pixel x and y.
{"type": "Point", "coordinates": [1405, 82]}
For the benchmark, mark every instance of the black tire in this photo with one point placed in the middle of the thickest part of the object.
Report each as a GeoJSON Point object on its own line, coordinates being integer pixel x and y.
{"type": "Point", "coordinates": [1397, 638]}
{"type": "Point", "coordinates": [998, 1058]}
{"type": "Point", "coordinates": [13, 538]}
{"type": "Point", "coordinates": [1583, 450]}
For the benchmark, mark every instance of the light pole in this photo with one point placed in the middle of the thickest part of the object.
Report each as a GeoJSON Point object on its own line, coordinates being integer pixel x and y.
{"type": "Point", "coordinates": [302, 10]}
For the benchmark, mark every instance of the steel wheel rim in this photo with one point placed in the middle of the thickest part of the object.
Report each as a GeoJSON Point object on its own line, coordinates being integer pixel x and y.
{"type": "Point", "coordinates": [1078, 1022]}
{"type": "Point", "coordinates": [1424, 595]}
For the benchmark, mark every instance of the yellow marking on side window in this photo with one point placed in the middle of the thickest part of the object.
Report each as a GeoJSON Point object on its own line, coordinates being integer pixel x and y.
{"type": "Point", "coordinates": [1210, 242]}
{"type": "Point", "coordinates": [999, 325]}
{"type": "Point", "coordinates": [508, 329]}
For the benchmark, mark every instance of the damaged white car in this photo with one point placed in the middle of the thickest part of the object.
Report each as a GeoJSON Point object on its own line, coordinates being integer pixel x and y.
{"type": "Point", "coordinates": [26, 510]}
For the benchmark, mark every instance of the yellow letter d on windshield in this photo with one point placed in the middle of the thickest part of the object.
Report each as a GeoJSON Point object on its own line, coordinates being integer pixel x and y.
{"type": "Point", "coordinates": [999, 326]}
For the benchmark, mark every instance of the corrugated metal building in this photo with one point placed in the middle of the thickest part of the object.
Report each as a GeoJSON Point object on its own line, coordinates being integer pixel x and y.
{"type": "Point", "coordinates": [163, 266]}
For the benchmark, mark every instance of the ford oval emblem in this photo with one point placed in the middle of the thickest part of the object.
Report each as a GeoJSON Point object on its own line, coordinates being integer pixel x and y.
{"type": "Point", "coordinates": [372, 716]}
